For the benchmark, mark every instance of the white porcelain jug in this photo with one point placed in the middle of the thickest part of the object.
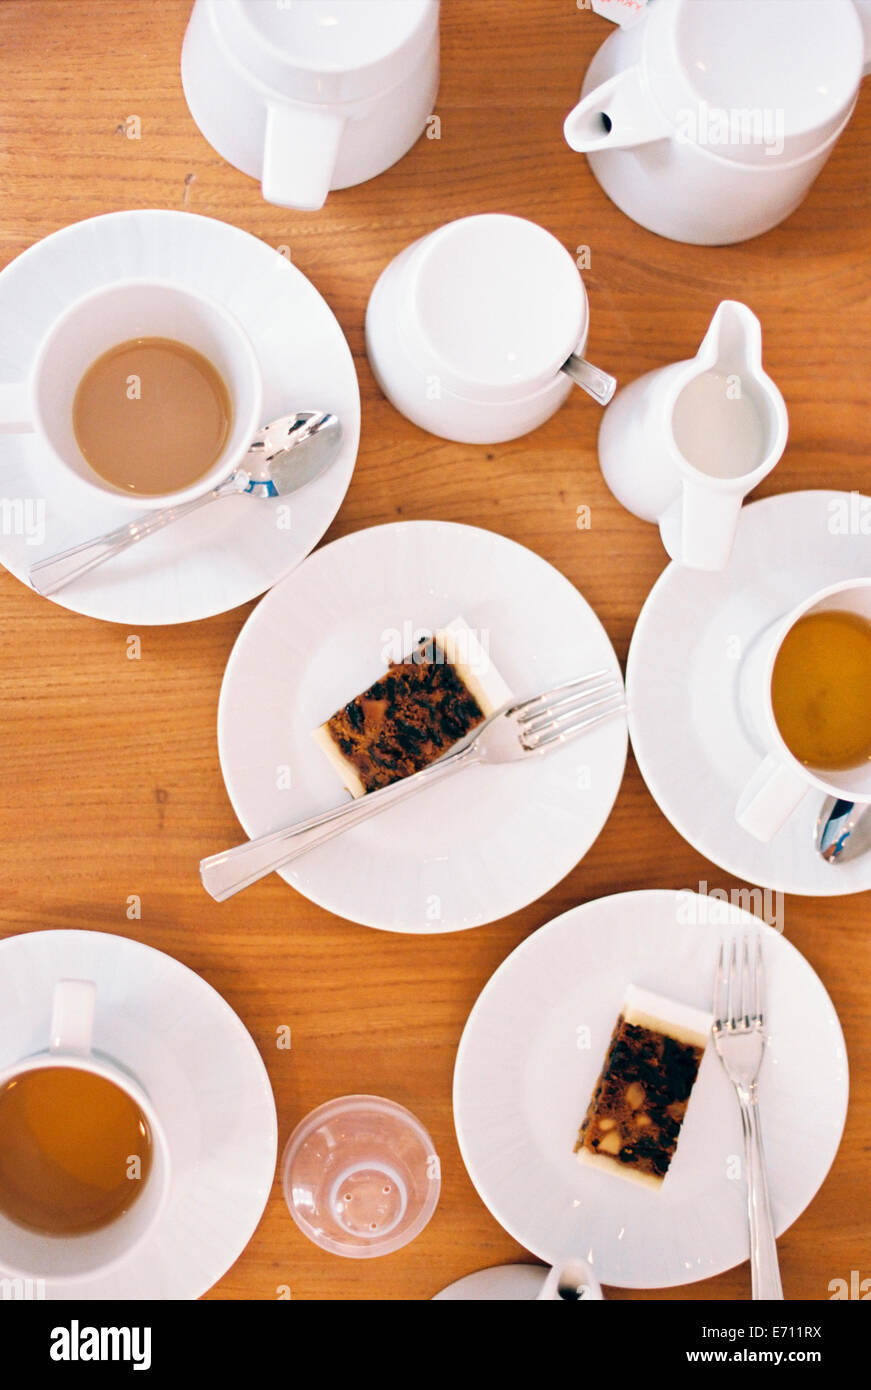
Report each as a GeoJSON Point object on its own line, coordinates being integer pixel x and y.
{"type": "Point", "coordinates": [707, 121]}
{"type": "Point", "coordinates": [309, 95]}
{"type": "Point", "coordinates": [683, 445]}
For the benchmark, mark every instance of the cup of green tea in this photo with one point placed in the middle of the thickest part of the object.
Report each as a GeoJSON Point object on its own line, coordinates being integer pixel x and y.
{"type": "Point", "coordinates": [143, 389]}
{"type": "Point", "coordinates": [84, 1162]}
{"type": "Point", "coordinates": [805, 689]}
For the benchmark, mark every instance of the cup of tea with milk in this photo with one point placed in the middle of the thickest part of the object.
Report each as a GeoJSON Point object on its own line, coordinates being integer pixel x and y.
{"type": "Point", "coordinates": [143, 390]}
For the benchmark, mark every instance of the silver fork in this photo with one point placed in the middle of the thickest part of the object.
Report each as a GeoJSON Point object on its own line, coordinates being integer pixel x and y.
{"type": "Point", "coordinates": [739, 1038]}
{"type": "Point", "coordinates": [526, 730]}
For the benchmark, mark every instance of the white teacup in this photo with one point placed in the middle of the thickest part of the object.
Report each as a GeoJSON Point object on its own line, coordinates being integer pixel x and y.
{"type": "Point", "coordinates": [781, 781]}
{"type": "Point", "coordinates": [309, 95]}
{"type": "Point", "coordinates": [68, 1258]}
{"type": "Point", "coordinates": [119, 312]}
{"type": "Point", "coordinates": [468, 328]}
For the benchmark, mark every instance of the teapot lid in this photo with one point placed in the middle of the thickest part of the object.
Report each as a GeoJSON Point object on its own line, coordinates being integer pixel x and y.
{"type": "Point", "coordinates": [327, 51]}
{"type": "Point", "coordinates": [754, 80]}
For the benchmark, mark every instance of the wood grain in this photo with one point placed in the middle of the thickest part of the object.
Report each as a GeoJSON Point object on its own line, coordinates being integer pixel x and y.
{"type": "Point", "coordinates": [111, 776]}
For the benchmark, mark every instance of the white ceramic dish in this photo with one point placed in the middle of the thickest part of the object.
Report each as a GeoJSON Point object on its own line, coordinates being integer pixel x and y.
{"type": "Point", "coordinates": [526, 1067]}
{"type": "Point", "coordinates": [205, 1078]}
{"type": "Point", "coordinates": [223, 555]}
{"type": "Point", "coordinates": [694, 749]}
{"type": "Point", "coordinates": [465, 852]}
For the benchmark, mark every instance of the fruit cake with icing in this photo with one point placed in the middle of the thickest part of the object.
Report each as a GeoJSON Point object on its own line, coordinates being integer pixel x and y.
{"type": "Point", "coordinates": [415, 712]}
{"type": "Point", "coordinates": [634, 1118]}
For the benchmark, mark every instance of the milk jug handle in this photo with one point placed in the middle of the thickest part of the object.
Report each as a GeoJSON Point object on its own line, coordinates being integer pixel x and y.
{"type": "Point", "coordinates": [617, 115]}
{"type": "Point", "coordinates": [699, 528]}
{"type": "Point", "coordinates": [300, 155]}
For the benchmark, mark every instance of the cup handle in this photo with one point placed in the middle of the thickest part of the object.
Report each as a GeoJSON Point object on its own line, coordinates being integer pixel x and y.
{"type": "Point", "coordinates": [300, 155]}
{"type": "Point", "coordinates": [864, 9]}
{"type": "Point", "coordinates": [72, 1016]}
{"type": "Point", "coordinates": [769, 798]}
{"type": "Point", "coordinates": [14, 409]}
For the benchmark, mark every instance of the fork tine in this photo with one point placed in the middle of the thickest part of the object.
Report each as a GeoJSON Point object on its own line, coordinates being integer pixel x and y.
{"type": "Point", "coordinates": [569, 705]}
{"type": "Point", "coordinates": [733, 985]}
{"type": "Point", "coordinates": [565, 700]}
{"type": "Point", "coordinates": [759, 981]}
{"type": "Point", "coordinates": [746, 991]}
{"type": "Point", "coordinates": [539, 700]}
{"type": "Point", "coordinates": [561, 730]}
{"type": "Point", "coordinates": [721, 994]}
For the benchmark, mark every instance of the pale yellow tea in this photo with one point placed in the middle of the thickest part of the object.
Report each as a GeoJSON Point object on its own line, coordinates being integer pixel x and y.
{"type": "Point", "coordinates": [821, 690]}
{"type": "Point", "coordinates": [69, 1145]}
{"type": "Point", "coordinates": [151, 415]}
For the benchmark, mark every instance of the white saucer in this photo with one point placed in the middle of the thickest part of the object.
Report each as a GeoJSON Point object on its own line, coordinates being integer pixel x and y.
{"type": "Point", "coordinates": [526, 1067]}
{"type": "Point", "coordinates": [223, 555]}
{"type": "Point", "coordinates": [688, 736]}
{"type": "Point", "coordinates": [205, 1076]}
{"type": "Point", "coordinates": [502, 1282]}
{"type": "Point", "coordinates": [467, 851]}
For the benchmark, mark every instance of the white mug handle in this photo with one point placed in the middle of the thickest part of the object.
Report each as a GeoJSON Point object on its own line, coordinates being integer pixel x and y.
{"type": "Point", "coordinates": [300, 154]}
{"type": "Point", "coordinates": [72, 1016]}
{"type": "Point", "coordinates": [769, 798]}
{"type": "Point", "coordinates": [14, 409]}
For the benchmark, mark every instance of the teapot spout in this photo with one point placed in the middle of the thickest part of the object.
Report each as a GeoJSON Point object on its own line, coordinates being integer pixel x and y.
{"type": "Point", "coordinates": [617, 115]}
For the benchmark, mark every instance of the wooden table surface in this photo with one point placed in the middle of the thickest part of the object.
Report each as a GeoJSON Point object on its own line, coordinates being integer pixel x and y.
{"type": "Point", "coordinates": [110, 767]}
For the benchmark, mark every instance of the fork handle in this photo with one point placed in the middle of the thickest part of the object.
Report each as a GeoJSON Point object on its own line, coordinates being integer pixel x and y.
{"type": "Point", "coordinates": [224, 874]}
{"type": "Point", "coordinates": [764, 1267]}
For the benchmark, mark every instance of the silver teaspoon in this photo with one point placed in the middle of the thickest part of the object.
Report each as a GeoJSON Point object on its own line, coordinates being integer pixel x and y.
{"type": "Point", "coordinates": [598, 384]}
{"type": "Point", "coordinates": [838, 837]}
{"type": "Point", "coordinates": [284, 456]}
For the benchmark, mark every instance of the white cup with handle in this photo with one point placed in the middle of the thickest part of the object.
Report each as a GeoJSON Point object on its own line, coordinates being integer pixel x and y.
{"type": "Point", "coordinates": [103, 319]}
{"type": "Point", "coordinates": [67, 1258]}
{"type": "Point", "coordinates": [311, 95]}
{"type": "Point", "coordinates": [476, 331]}
{"type": "Point", "coordinates": [781, 781]}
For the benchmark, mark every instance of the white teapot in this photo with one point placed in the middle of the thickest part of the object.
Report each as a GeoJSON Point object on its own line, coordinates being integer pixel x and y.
{"type": "Point", "coordinates": [707, 121]}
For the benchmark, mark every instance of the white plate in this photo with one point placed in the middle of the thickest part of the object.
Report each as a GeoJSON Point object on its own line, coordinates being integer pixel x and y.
{"type": "Point", "coordinates": [464, 852]}
{"type": "Point", "coordinates": [205, 1076]}
{"type": "Point", "coordinates": [502, 1282]}
{"type": "Point", "coordinates": [688, 736]}
{"type": "Point", "coordinates": [223, 555]}
{"type": "Point", "coordinates": [526, 1067]}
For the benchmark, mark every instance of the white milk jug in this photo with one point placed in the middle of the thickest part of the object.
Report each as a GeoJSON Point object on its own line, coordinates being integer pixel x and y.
{"type": "Point", "coordinates": [683, 445]}
{"type": "Point", "coordinates": [707, 121]}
